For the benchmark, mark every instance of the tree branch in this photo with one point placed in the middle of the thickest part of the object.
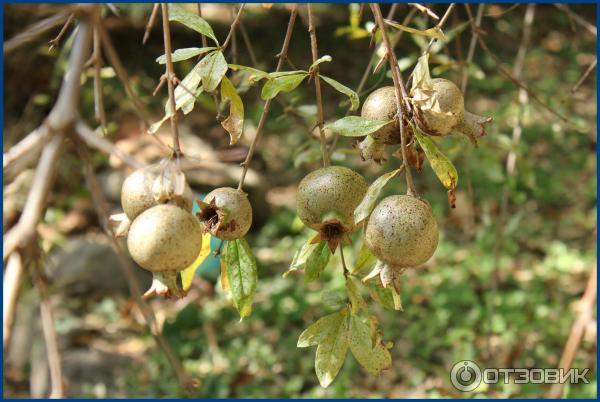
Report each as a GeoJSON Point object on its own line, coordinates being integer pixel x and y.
{"type": "Point", "coordinates": [33, 32]}
{"type": "Point", "coordinates": [94, 140]}
{"type": "Point", "coordinates": [234, 24]}
{"type": "Point", "coordinates": [263, 118]}
{"type": "Point", "coordinates": [150, 23]}
{"type": "Point", "coordinates": [11, 285]}
{"type": "Point", "coordinates": [170, 71]}
{"type": "Point", "coordinates": [472, 45]}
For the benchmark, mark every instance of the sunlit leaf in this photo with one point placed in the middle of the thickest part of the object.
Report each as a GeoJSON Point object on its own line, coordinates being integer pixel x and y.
{"type": "Point", "coordinates": [441, 165]}
{"type": "Point", "coordinates": [421, 77]}
{"type": "Point", "coordinates": [381, 295]}
{"type": "Point", "coordinates": [356, 300]}
{"type": "Point", "coordinates": [184, 54]}
{"type": "Point", "coordinates": [187, 275]}
{"type": "Point", "coordinates": [191, 20]}
{"type": "Point", "coordinates": [255, 74]}
{"type": "Point", "coordinates": [354, 101]}
{"type": "Point", "coordinates": [300, 257]}
{"type": "Point", "coordinates": [321, 329]}
{"type": "Point", "coordinates": [367, 204]}
{"type": "Point", "coordinates": [277, 74]}
{"type": "Point", "coordinates": [373, 358]}
{"type": "Point", "coordinates": [322, 59]}
{"type": "Point", "coordinates": [356, 126]}
{"type": "Point", "coordinates": [234, 123]}
{"type": "Point", "coordinates": [285, 83]}
{"type": "Point", "coordinates": [364, 261]}
{"type": "Point", "coordinates": [435, 32]}
{"type": "Point", "coordinates": [212, 69]}
{"type": "Point", "coordinates": [241, 274]}
{"type": "Point", "coordinates": [316, 262]}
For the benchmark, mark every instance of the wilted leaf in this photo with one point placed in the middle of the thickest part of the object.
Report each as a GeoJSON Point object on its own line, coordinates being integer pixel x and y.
{"type": "Point", "coordinates": [191, 20]}
{"type": "Point", "coordinates": [355, 126]}
{"type": "Point", "coordinates": [184, 54]}
{"type": "Point", "coordinates": [212, 69]}
{"type": "Point", "coordinates": [364, 261]}
{"type": "Point", "coordinates": [331, 352]}
{"type": "Point", "coordinates": [373, 358]}
{"type": "Point", "coordinates": [277, 74]}
{"type": "Point", "coordinates": [224, 281]}
{"type": "Point", "coordinates": [285, 83]}
{"type": "Point", "coordinates": [321, 329]}
{"type": "Point", "coordinates": [187, 275]}
{"type": "Point", "coordinates": [255, 74]}
{"type": "Point", "coordinates": [367, 204]}
{"type": "Point", "coordinates": [241, 274]}
{"type": "Point", "coordinates": [354, 101]}
{"type": "Point", "coordinates": [316, 262]}
{"type": "Point", "coordinates": [421, 77]}
{"type": "Point", "coordinates": [322, 59]}
{"type": "Point", "coordinates": [234, 123]}
{"type": "Point", "coordinates": [441, 165]}
{"type": "Point", "coordinates": [435, 32]}
{"type": "Point", "coordinates": [356, 300]}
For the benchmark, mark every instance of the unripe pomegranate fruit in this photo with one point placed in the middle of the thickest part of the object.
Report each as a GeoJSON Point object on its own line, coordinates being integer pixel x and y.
{"type": "Point", "coordinates": [381, 105]}
{"type": "Point", "coordinates": [226, 213]}
{"type": "Point", "coordinates": [402, 231]}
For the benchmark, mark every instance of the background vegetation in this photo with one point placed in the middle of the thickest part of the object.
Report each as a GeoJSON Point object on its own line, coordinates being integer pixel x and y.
{"type": "Point", "coordinates": [502, 289]}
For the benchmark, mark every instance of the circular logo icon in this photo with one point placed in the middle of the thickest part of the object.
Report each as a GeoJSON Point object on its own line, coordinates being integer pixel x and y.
{"type": "Point", "coordinates": [465, 376]}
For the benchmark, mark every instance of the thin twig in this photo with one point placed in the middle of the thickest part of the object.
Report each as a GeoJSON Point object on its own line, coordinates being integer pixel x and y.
{"type": "Point", "coordinates": [578, 19]}
{"type": "Point", "coordinates": [586, 315]}
{"type": "Point", "coordinates": [400, 95]}
{"type": "Point", "coordinates": [33, 32]}
{"type": "Point", "coordinates": [24, 153]}
{"type": "Point", "coordinates": [56, 41]}
{"type": "Point", "coordinates": [150, 23]}
{"type": "Point", "coordinates": [582, 79]}
{"type": "Point", "coordinates": [315, 75]}
{"type": "Point", "coordinates": [170, 71]}
{"type": "Point", "coordinates": [263, 118]}
{"type": "Point", "coordinates": [102, 210]}
{"type": "Point", "coordinates": [501, 13]}
{"type": "Point", "coordinates": [94, 140]}
{"type": "Point", "coordinates": [344, 267]}
{"type": "Point", "coordinates": [234, 48]}
{"type": "Point", "coordinates": [440, 25]}
{"type": "Point", "coordinates": [248, 44]}
{"type": "Point", "coordinates": [11, 285]}
{"type": "Point", "coordinates": [57, 389]}
{"type": "Point", "coordinates": [99, 112]}
{"type": "Point", "coordinates": [425, 10]}
{"type": "Point", "coordinates": [472, 45]}
{"type": "Point", "coordinates": [232, 29]}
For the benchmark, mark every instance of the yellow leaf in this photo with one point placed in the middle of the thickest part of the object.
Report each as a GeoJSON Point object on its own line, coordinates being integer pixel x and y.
{"type": "Point", "coordinates": [187, 275]}
{"type": "Point", "coordinates": [435, 32]}
{"type": "Point", "coordinates": [224, 279]}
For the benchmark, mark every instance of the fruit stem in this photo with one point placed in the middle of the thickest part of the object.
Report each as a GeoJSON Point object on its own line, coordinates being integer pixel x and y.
{"type": "Point", "coordinates": [263, 118]}
{"type": "Point", "coordinates": [315, 74]}
{"type": "Point", "coordinates": [401, 94]}
{"type": "Point", "coordinates": [170, 77]}
{"type": "Point", "coordinates": [346, 272]}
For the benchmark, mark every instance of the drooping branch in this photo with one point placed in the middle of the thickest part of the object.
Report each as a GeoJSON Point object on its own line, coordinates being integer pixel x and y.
{"type": "Point", "coordinates": [317, 79]}
{"type": "Point", "coordinates": [263, 118]}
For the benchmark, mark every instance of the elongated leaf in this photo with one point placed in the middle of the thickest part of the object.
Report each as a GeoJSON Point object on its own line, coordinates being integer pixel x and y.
{"type": "Point", "coordinates": [184, 54]}
{"type": "Point", "coordinates": [187, 275]}
{"type": "Point", "coordinates": [435, 32]}
{"type": "Point", "coordinates": [212, 69]}
{"type": "Point", "coordinates": [241, 274]}
{"type": "Point", "coordinates": [365, 261]}
{"type": "Point", "coordinates": [331, 352]}
{"type": "Point", "coordinates": [354, 101]}
{"type": "Point", "coordinates": [321, 329]}
{"type": "Point", "coordinates": [300, 257]}
{"type": "Point", "coordinates": [255, 74]}
{"type": "Point", "coordinates": [278, 74]}
{"type": "Point", "coordinates": [284, 83]}
{"type": "Point", "coordinates": [441, 165]}
{"type": "Point", "coordinates": [316, 262]}
{"type": "Point", "coordinates": [367, 204]}
{"type": "Point", "coordinates": [356, 300]}
{"type": "Point", "coordinates": [234, 123]}
{"type": "Point", "coordinates": [191, 20]}
{"type": "Point", "coordinates": [356, 126]}
{"type": "Point", "coordinates": [373, 358]}
{"type": "Point", "coordinates": [421, 77]}
{"type": "Point", "coordinates": [322, 59]}
{"type": "Point", "coordinates": [381, 295]}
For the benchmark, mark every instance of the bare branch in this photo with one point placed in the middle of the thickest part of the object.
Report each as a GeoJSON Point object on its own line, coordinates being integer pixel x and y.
{"type": "Point", "coordinates": [233, 26]}
{"type": "Point", "coordinates": [248, 44]}
{"type": "Point", "coordinates": [11, 285]}
{"type": "Point", "coordinates": [150, 23]}
{"type": "Point", "coordinates": [425, 10]}
{"type": "Point", "coordinates": [25, 152]}
{"type": "Point", "coordinates": [440, 25]}
{"type": "Point", "coordinates": [267, 106]}
{"type": "Point", "coordinates": [33, 32]}
{"type": "Point", "coordinates": [578, 19]}
{"type": "Point", "coordinates": [315, 75]}
{"type": "Point", "coordinates": [587, 73]}
{"type": "Point", "coordinates": [472, 45]}
{"type": "Point", "coordinates": [99, 112]}
{"type": "Point", "coordinates": [170, 71]}
{"type": "Point", "coordinates": [401, 94]}
{"type": "Point", "coordinates": [94, 140]}
{"type": "Point", "coordinates": [56, 41]}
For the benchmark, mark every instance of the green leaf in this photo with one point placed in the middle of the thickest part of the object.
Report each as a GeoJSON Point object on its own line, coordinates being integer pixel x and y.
{"type": "Point", "coordinates": [381, 295]}
{"type": "Point", "coordinates": [365, 260]}
{"type": "Point", "coordinates": [316, 262]}
{"type": "Point", "coordinates": [367, 204]}
{"type": "Point", "coordinates": [441, 165]}
{"type": "Point", "coordinates": [331, 352]}
{"type": "Point", "coordinates": [234, 123]}
{"type": "Point", "coordinates": [212, 69]}
{"type": "Point", "coordinates": [355, 126]}
{"type": "Point", "coordinates": [255, 74]}
{"type": "Point", "coordinates": [184, 54]}
{"type": "Point", "coordinates": [300, 257]}
{"type": "Point", "coordinates": [241, 274]}
{"type": "Point", "coordinates": [373, 358]}
{"type": "Point", "coordinates": [285, 83]}
{"type": "Point", "coordinates": [191, 20]}
{"type": "Point", "coordinates": [355, 102]}
{"type": "Point", "coordinates": [322, 59]}
{"type": "Point", "coordinates": [187, 275]}
{"type": "Point", "coordinates": [278, 74]}
{"type": "Point", "coordinates": [321, 329]}
{"type": "Point", "coordinates": [356, 300]}
{"type": "Point", "coordinates": [435, 32]}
